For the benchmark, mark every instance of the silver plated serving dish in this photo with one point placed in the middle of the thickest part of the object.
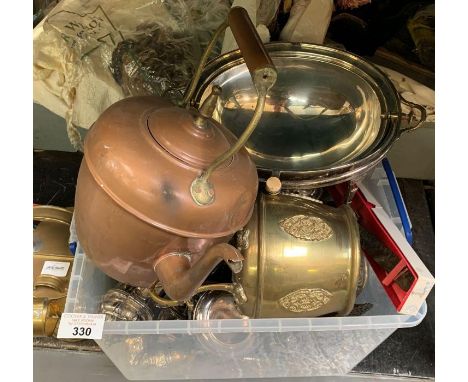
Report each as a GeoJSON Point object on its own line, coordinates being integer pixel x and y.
{"type": "Point", "coordinates": [330, 117]}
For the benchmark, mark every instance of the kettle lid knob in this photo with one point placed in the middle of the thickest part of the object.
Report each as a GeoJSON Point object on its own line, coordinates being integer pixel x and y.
{"type": "Point", "coordinates": [273, 185]}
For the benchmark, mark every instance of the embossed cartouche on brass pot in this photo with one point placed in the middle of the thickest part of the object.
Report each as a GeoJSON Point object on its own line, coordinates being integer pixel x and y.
{"type": "Point", "coordinates": [50, 243]}
{"type": "Point", "coordinates": [162, 189]}
{"type": "Point", "coordinates": [301, 259]}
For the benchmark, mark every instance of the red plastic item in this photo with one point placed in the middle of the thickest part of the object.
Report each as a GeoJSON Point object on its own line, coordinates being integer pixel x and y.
{"type": "Point", "coordinates": [368, 219]}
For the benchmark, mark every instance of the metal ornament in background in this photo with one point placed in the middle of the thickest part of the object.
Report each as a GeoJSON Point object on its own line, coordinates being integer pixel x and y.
{"type": "Point", "coordinates": [330, 118]}
{"type": "Point", "coordinates": [172, 176]}
{"type": "Point", "coordinates": [50, 243]}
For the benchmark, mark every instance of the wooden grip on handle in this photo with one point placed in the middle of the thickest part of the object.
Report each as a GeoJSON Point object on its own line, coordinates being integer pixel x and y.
{"type": "Point", "coordinates": [251, 46]}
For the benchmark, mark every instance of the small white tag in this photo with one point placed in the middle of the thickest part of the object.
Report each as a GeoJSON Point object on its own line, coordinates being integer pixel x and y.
{"type": "Point", "coordinates": [81, 325]}
{"type": "Point", "coordinates": [55, 268]}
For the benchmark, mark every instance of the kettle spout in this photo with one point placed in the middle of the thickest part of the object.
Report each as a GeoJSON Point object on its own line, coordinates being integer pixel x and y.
{"type": "Point", "coordinates": [180, 279]}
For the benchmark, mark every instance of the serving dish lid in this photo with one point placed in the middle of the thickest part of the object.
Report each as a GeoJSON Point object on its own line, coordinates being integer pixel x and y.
{"type": "Point", "coordinates": [328, 108]}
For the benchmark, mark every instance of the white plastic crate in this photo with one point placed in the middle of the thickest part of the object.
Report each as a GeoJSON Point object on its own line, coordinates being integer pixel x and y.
{"type": "Point", "coordinates": [162, 350]}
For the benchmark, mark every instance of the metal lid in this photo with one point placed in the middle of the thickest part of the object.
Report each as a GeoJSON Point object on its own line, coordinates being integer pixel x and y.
{"type": "Point", "coordinates": [195, 140]}
{"type": "Point", "coordinates": [328, 108]}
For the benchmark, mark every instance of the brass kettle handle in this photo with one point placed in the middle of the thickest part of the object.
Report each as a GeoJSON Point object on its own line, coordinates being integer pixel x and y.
{"type": "Point", "coordinates": [256, 57]}
{"type": "Point", "coordinates": [263, 73]}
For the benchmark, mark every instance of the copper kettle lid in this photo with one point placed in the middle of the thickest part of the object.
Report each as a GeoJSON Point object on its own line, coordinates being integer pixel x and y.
{"type": "Point", "coordinates": [196, 141]}
{"type": "Point", "coordinates": [152, 181]}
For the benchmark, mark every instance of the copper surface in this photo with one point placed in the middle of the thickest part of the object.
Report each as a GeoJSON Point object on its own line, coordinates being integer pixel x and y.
{"type": "Point", "coordinates": [159, 185]}
{"type": "Point", "coordinates": [133, 202]}
{"type": "Point", "coordinates": [180, 284]}
{"type": "Point", "coordinates": [196, 145]}
{"type": "Point", "coordinates": [125, 161]}
{"type": "Point", "coordinates": [118, 242]}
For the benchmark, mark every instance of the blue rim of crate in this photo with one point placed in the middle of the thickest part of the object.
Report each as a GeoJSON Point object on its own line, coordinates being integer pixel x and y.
{"type": "Point", "coordinates": [398, 200]}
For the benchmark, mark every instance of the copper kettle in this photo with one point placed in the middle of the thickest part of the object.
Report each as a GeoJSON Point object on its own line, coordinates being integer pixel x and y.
{"type": "Point", "coordinates": [162, 188]}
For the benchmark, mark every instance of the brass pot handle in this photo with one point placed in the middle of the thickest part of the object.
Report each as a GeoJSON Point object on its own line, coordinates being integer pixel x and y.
{"type": "Point", "coordinates": [263, 73]}
{"type": "Point", "coordinates": [413, 122]}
